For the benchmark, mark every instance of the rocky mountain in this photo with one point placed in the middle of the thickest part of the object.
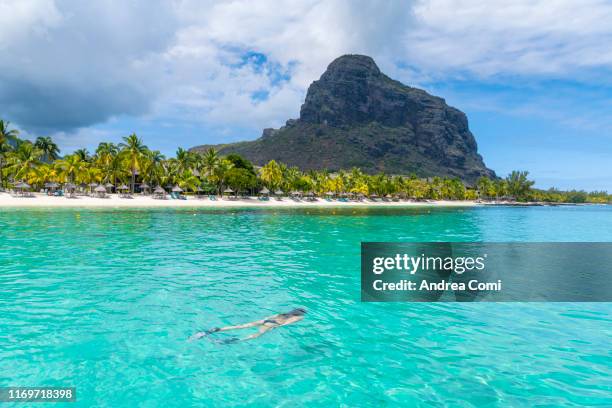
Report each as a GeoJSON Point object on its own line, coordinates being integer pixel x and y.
{"type": "Point", "coordinates": [356, 116]}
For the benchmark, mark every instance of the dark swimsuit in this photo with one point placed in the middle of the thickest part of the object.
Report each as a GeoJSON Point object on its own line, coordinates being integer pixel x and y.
{"type": "Point", "coordinates": [271, 321]}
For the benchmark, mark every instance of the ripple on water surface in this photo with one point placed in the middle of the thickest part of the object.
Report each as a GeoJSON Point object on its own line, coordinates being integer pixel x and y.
{"type": "Point", "coordinates": [104, 299]}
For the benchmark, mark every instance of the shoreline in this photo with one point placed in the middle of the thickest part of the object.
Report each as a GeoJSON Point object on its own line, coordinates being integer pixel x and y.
{"type": "Point", "coordinates": [40, 200]}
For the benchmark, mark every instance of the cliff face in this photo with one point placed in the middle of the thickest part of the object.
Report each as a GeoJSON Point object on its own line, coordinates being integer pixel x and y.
{"type": "Point", "coordinates": [354, 115]}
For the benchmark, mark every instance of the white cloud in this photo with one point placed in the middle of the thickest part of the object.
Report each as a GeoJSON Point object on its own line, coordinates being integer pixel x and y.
{"type": "Point", "coordinates": [69, 64]}
{"type": "Point", "coordinates": [505, 37]}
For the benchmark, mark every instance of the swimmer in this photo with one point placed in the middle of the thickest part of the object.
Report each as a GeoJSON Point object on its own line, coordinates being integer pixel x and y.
{"type": "Point", "coordinates": [265, 325]}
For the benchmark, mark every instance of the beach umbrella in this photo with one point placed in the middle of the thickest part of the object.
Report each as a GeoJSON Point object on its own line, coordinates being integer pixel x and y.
{"type": "Point", "coordinates": [123, 187]}
{"type": "Point", "coordinates": [388, 196]}
{"type": "Point", "coordinates": [109, 185]}
{"type": "Point", "coordinates": [83, 185]}
{"type": "Point", "coordinates": [22, 185]}
{"type": "Point", "coordinates": [295, 192]}
{"type": "Point", "coordinates": [329, 193]}
{"type": "Point", "coordinates": [145, 185]}
{"type": "Point", "coordinates": [51, 185]}
{"type": "Point", "coordinates": [100, 189]}
{"type": "Point", "coordinates": [69, 186]}
{"type": "Point", "coordinates": [228, 190]}
{"type": "Point", "coordinates": [93, 184]}
{"type": "Point", "coordinates": [264, 191]}
{"type": "Point", "coordinates": [278, 192]}
{"type": "Point", "coordinates": [159, 190]}
{"type": "Point", "coordinates": [310, 194]}
{"type": "Point", "coordinates": [177, 189]}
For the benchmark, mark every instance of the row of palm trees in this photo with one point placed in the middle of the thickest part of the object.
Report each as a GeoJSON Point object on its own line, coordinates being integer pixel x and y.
{"type": "Point", "coordinates": [132, 162]}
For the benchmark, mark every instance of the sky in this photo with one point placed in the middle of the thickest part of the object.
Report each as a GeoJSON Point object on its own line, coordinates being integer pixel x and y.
{"type": "Point", "coordinates": [532, 76]}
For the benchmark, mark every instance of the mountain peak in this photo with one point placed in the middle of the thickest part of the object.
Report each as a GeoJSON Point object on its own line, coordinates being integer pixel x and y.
{"type": "Point", "coordinates": [356, 116]}
{"type": "Point", "coordinates": [351, 66]}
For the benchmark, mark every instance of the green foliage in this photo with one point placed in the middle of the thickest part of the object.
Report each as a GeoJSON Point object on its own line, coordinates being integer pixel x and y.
{"type": "Point", "coordinates": [240, 179]}
{"type": "Point", "coordinates": [518, 186]}
{"type": "Point", "coordinates": [240, 162]}
{"type": "Point", "coordinates": [131, 161]}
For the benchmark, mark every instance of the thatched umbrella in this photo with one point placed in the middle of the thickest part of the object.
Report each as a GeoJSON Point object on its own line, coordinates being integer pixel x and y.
{"type": "Point", "coordinates": [109, 186]}
{"type": "Point", "coordinates": [100, 191]}
{"type": "Point", "coordinates": [329, 193]}
{"type": "Point", "coordinates": [264, 191]}
{"type": "Point", "coordinates": [228, 191]}
{"type": "Point", "coordinates": [51, 186]}
{"type": "Point", "coordinates": [122, 191]}
{"type": "Point", "coordinates": [92, 186]}
{"type": "Point", "coordinates": [279, 192]}
{"type": "Point", "coordinates": [159, 192]}
{"type": "Point", "coordinates": [22, 186]}
{"type": "Point", "coordinates": [144, 187]}
{"type": "Point", "coordinates": [177, 189]}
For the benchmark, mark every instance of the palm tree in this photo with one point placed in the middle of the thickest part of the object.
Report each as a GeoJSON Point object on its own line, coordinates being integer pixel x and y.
{"type": "Point", "coordinates": [210, 161]}
{"type": "Point", "coordinates": [72, 167]}
{"type": "Point", "coordinates": [23, 160]}
{"type": "Point", "coordinates": [83, 154]}
{"type": "Point", "coordinates": [271, 174]}
{"type": "Point", "coordinates": [187, 181]}
{"type": "Point", "coordinates": [42, 174]}
{"type": "Point", "coordinates": [133, 150]}
{"type": "Point", "coordinates": [105, 153]}
{"type": "Point", "coordinates": [48, 147]}
{"type": "Point", "coordinates": [115, 170]}
{"type": "Point", "coordinates": [6, 137]}
{"type": "Point", "coordinates": [485, 187]}
{"type": "Point", "coordinates": [291, 178]}
{"type": "Point", "coordinates": [518, 184]}
{"type": "Point", "coordinates": [185, 160]}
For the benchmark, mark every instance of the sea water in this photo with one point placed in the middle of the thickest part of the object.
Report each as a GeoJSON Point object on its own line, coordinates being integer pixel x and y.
{"type": "Point", "coordinates": [104, 300]}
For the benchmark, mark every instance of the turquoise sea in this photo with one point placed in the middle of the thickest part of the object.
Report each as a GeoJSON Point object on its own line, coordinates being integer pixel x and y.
{"type": "Point", "coordinates": [104, 300]}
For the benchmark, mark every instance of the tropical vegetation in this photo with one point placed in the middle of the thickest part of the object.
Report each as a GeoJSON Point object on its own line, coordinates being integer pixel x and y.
{"type": "Point", "coordinates": [133, 163]}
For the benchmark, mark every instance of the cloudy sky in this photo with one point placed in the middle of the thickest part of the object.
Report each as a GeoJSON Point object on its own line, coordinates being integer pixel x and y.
{"type": "Point", "coordinates": [533, 76]}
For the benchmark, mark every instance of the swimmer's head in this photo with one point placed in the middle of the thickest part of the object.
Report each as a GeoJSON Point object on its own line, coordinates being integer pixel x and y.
{"type": "Point", "coordinates": [297, 312]}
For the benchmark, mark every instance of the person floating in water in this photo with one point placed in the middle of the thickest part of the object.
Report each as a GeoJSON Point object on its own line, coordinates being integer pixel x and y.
{"type": "Point", "coordinates": [265, 325]}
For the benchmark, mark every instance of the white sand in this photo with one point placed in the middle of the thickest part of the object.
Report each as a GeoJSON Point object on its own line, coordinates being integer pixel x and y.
{"type": "Point", "coordinates": [113, 201]}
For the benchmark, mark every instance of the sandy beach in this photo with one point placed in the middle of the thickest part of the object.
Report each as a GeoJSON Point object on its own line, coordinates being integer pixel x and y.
{"type": "Point", "coordinates": [138, 201]}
